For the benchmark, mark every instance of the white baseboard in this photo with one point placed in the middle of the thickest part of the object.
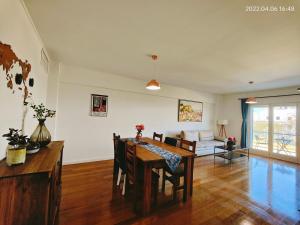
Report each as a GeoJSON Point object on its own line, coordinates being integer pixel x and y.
{"type": "Point", "coordinates": [69, 162]}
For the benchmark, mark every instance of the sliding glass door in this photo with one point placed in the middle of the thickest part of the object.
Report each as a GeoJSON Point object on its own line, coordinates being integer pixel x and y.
{"type": "Point", "coordinates": [260, 128]}
{"type": "Point", "coordinates": [285, 131]}
{"type": "Point", "coordinates": [274, 130]}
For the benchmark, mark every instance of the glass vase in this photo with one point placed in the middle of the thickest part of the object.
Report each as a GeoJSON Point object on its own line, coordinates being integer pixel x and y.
{"type": "Point", "coordinates": [138, 136]}
{"type": "Point", "coordinates": [41, 134]}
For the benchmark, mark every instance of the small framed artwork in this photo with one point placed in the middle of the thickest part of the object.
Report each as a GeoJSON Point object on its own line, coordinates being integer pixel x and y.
{"type": "Point", "coordinates": [99, 105]}
{"type": "Point", "coordinates": [190, 111]}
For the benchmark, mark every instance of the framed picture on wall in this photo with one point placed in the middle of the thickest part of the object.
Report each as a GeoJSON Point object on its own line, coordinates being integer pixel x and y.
{"type": "Point", "coordinates": [99, 105]}
{"type": "Point", "coordinates": [190, 111]}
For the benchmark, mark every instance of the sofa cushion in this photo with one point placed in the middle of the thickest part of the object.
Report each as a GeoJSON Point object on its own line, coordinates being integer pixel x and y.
{"type": "Point", "coordinates": [191, 135]}
{"type": "Point", "coordinates": [208, 144]}
{"type": "Point", "coordinates": [206, 135]}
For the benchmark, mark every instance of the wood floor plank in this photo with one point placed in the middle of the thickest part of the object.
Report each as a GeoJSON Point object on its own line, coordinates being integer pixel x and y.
{"type": "Point", "coordinates": [258, 191]}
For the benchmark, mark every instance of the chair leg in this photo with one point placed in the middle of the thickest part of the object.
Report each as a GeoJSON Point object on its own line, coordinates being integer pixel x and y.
{"type": "Point", "coordinates": [115, 172]}
{"type": "Point", "coordinates": [156, 192]}
{"type": "Point", "coordinates": [163, 186]}
{"type": "Point", "coordinates": [124, 185]}
{"type": "Point", "coordinates": [119, 177]}
{"type": "Point", "coordinates": [175, 187]}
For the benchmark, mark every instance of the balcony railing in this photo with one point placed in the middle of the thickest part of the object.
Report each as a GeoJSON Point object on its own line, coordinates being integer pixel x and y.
{"type": "Point", "coordinates": [283, 143]}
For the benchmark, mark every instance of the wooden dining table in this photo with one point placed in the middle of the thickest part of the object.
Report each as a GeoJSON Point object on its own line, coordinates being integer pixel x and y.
{"type": "Point", "coordinates": [151, 160]}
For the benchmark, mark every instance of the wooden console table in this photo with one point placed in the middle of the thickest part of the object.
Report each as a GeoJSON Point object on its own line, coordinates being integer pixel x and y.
{"type": "Point", "coordinates": [30, 193]}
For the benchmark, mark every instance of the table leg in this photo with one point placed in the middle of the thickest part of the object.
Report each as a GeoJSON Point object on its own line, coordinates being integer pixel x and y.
{"type": "Point", "coordinates": [147, 188]}
{"type": "Point", "coordinates": [188, 179]}
{"type": "Point", "coordinates": [248, 154]}
{"type": "Point", "coordinates": [214, 154]}
{"type": "Point", "coordinates": [192, 176]}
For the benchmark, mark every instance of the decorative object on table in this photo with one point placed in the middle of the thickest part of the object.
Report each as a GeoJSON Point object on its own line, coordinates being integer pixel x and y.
{"type": "Point", "coordinates": [99, 105]}
{"type": "Point", "coordinates": [139, 128]}
{"type": "Point", "coordinates": [222, 130]}
{"type": "Point", "coordinates": [231, 143]}
{"type": "Point", "coordinates": [32, 148]}
{"type": "Point", "coordinates": [190, 111]}
{"type": "Point", "coordinates": [41, 134]}
{"type": "Point", "coordinates": [10, 63]}
{"type": "Point", "coordinates": [153, 84]}
{"type": "Point", "coordinates": [16, 149]}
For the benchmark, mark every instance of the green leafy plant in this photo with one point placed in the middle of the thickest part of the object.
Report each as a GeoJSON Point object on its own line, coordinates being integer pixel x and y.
{"type": "Point", "coordinates": [16, 139]}
{"type": "Point", "coordinates": [41, 112]}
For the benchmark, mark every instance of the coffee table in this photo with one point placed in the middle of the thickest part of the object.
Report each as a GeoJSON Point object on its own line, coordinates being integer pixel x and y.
{"type": "Point", "coordinates": [229, 155]}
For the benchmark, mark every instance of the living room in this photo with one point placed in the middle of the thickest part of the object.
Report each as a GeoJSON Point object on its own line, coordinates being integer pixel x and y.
{"type": "Point", "coordinates": [227, 80]}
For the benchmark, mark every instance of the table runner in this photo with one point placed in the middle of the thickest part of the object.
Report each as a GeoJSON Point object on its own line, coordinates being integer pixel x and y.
{"type": "Point", "coordinates": [172, 159]}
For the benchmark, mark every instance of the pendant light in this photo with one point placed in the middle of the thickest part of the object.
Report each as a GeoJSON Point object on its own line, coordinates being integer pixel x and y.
{"type": "Point", "coordinates": [153, 84]}
{"type": "Point", "coordinates": [251, 100]}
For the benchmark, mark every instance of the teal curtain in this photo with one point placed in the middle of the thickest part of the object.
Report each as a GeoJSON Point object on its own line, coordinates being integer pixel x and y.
{"type": "Point", "coordinates": [244, 109]}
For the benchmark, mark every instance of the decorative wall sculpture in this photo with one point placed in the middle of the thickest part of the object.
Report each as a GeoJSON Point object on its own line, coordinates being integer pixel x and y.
{"type": "Point", "coordinates": [8, 61]}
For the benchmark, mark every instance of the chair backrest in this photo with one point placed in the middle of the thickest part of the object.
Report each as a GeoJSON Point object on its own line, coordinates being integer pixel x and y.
{"type": "Point", "coordinates": [188, 145]}
{"type": "Point", "coordinates": [130, 154]}
{"type": "Point", "coordinates": [116, 139]}
{"type": "Point", "coordinates": [121, 154]}
{"type": "Point", "coordinates": [159, 136]}
{"type": "Point", "coordinates": [171, 141]}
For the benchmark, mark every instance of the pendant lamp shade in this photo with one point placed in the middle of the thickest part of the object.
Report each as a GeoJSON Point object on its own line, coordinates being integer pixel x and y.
{"type": "Point", "coordinates": [153, 85]}
{"type": "Point", "coordinates": [251, 100]}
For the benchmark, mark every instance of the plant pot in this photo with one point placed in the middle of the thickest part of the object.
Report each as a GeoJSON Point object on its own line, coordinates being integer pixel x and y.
{"type": "Point", "coordinates": [15, 156]}
{"type": "Point", "coordinates": [41, 135]}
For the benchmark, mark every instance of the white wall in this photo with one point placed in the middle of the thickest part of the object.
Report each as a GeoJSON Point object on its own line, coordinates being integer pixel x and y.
{"type": "Point", "coordinates": [90, 138]}
{"type": "Point", "coordinates": [229, 106]}
{"type": "Point", "coordinates": [17, 30]}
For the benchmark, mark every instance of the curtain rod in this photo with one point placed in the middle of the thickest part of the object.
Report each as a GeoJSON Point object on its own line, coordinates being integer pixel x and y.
{"type": "Point", "coordinates": [273, 96]}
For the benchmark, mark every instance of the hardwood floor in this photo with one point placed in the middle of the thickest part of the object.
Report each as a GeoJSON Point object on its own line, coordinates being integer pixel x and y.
{"type": "Point", "coordinates": [258, 191]}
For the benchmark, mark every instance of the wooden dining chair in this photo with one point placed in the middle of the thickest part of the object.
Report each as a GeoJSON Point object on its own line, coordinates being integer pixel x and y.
{"type": "Point", "coordinates": [174, 177]}
{"type": "Point", "coordinates": [119, 160]}
{"type": "Point", "coordinates": [131, 166]}
{"type": "Point", "coordinates": [171, 141]}
{"type": "Point", "coordinates": [157, 136]}
{"type": "Point", "coordinates": [135, 177]}
{"type": "Point", "coordinates": [116, 139]}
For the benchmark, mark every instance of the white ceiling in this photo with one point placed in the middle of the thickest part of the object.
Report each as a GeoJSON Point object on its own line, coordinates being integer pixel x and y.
{"type": "Point", "coordinates": [208, 45]}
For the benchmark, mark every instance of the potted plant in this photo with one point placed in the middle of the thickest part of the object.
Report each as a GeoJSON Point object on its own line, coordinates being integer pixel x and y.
{"type": "Point", "coordinates": [231, 143]}
{"type": "Point", "coordinates": [41, 135]}
{"type": "Point", "coordinates": [16, 149]}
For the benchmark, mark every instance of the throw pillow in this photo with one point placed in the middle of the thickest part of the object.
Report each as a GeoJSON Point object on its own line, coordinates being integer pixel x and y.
{"type": "Point", "coordinates": [191, 135]}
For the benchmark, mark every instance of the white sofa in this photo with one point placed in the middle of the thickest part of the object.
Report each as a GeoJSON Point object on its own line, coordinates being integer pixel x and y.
{"type": "Point", "coordinates": [206, 141]}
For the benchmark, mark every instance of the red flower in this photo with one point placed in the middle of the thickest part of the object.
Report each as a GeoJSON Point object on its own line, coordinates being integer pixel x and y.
{"type": "Point", "coordinates": [140, 127]}
{"type": "Point", "coordinates": [232, 139]}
